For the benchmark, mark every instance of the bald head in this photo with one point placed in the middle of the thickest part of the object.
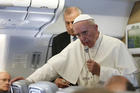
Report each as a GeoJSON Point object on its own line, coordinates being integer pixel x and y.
{"type": "Point", "coordinates": [4, 81]}
{"type": "Point", "coordinates": [118, 84]}
{"type": "Point", "coordinates": [70, 14]}
{"type": "Point", "coordinates": [93, 90]}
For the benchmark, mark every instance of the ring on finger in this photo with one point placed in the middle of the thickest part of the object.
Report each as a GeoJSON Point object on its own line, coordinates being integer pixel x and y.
{"type": "Point", "coordinates": [64, 81]}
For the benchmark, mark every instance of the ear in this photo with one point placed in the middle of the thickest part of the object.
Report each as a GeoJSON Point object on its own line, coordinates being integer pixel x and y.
{"type": "Point", "coordinates": [96, 27]}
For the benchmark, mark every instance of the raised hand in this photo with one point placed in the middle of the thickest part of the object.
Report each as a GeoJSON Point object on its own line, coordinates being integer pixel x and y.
{"type": "Point", "coordinates": [62, 83]}
{"type": "Point", "coordinates": [93, 67]}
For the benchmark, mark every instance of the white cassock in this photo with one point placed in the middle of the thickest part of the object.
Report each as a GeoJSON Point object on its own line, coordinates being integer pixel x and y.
{"type": "Point", "coordinates": [110, 53]}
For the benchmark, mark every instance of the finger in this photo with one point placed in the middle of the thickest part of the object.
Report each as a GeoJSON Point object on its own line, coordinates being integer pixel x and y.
{"type": "Point", "coordinates": [67, 85]}
{"type": "Point", "coordinates": [89, 61]}
{"type": "Point", "coordinates": [90, 64]}
{"type": "Point", "coordinates": [62, 85]}
{"type": "Point", "coordinates": [63, 80]}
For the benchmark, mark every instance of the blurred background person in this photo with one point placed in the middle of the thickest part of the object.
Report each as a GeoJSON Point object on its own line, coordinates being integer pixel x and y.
{"type": "Point", "coordinates": [93, 90]}
{"type": "Point", "coordinates": [119, 84]}
{"type": "Point", "coordinates": [5, 78]}
{"type": "Point", "coordinates": [63, 39]}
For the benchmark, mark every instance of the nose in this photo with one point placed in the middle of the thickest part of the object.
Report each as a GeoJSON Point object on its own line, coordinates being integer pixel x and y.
{"type": "Point", "coordinates": [82, 38]}
{"type": "Point", "coordinates": [70, 25]}
{"type": "Point", "coordinates": [7, 82]}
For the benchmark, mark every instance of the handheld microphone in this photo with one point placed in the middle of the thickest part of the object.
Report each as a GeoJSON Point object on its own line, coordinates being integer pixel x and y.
{"type": "Point", "coordinates": [87, 51]}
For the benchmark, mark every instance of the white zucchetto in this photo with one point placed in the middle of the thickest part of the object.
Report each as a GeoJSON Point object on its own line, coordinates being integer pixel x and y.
{"type": "Point", "coordinates": [82, 17]}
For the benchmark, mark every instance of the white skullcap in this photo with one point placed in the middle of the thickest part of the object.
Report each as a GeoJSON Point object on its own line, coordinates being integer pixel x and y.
{"type": "Point", "coordinates": [82, 17]}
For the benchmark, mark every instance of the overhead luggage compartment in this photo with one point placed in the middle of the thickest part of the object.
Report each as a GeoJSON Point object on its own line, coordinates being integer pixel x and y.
{"type": "Point", "coordinates": [29, 14]}
{"type": "Point", "coordinates": [22, 50]}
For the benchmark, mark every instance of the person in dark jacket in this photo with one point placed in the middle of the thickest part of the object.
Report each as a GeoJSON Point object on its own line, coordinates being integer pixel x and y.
{"type": "Point", "coordinates": [63, 39]}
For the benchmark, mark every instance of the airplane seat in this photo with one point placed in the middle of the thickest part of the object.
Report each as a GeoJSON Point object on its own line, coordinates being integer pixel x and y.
{"type": "Point", "coordinates": [20, 86]}
{"type": "Point", "coordinates": [49, 48]}
{"type": "Point", "coordinates": [43, 87]}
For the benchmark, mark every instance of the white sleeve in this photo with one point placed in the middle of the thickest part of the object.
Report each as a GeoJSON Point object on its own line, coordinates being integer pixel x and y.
{"type": "Point", "coordinates": [107, 72]}
{"type": "Point", "coordinates": [45, 73]}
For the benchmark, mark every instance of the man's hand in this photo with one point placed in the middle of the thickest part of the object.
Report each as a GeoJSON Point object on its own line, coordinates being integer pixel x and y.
{"type": "Point", "coordinates": [61, 83]}
{"type": "Point", "coordinates": [93, 67]}
{"type": "Point", "coordinates": [16, 79]}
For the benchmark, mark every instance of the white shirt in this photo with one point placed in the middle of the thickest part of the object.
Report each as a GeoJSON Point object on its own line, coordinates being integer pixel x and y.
{"type": "Point", "coordinates": [72, 38]}
{"type": "Point", "coordinates": [110, 53]}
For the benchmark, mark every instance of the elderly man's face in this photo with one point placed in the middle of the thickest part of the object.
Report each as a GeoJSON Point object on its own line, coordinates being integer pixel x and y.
{"type": "Point", "coordinates": [4, 81]}
{"type": "Point", "coordinates": [87, 32]}
{"type": "Point", "coordinates": [69, 19]}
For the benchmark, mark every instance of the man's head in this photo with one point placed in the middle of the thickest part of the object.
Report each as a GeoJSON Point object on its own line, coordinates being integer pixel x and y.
{"type": "Point", "coordinates": [4, 81]}
{"type": "Point", "coordinates": [93, 90]}
{"type": "Point", "coordinates": [119, 84]}
{"type": "Point", "coordinates": [69, 15]}
{"type": "Point", "coordinates": [86, 30]}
